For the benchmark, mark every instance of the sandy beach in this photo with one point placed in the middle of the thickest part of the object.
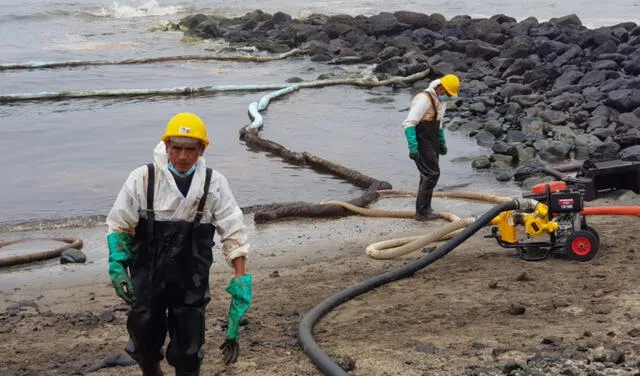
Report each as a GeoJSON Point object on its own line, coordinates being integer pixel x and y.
{"type": "Point", "coordinates": [454, 317]}
{"type": "Point", "coordinates": [541, 86]}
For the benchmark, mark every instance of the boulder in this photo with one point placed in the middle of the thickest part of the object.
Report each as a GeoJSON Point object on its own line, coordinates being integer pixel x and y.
{"type": "Point", "coordinates": [568, 78]}
{"type": "Point", "coordinates": [414, 19]}
{"type": "Point", "coordinates": [480, 49]}
{"type": "Point", "coordinates": [630, 120]}
{"type": "Point", "coordinates": [514, 136]}
{"type": "Point", "coordinates": [632, 67]}
{"type": "Point", "coordinates": [631, 153]}
{"type": "Point", "coordinates": [573, 52]}
{"type": "Point", "coordinates": [582, 143]}
{"type": "Point", "coordinates": [603, 133]}
{"type": "Point", "coordinates": [624, 100]}
{"type": "Point", "coordinates": [501, 147]}
{"type": "Point", "coordinates": [593, 78]}
{"type": "Point", "coordinates": [525, 153]}
{"type": "Point", "coordinates": [484, 138]}
{"type": "Point", "coordinates": [628, 137]}
{"type": "Point", "coordinates": [207, 29]}
{"type": "Point", "coordinates": [511, 90]}
{"type": "Point", "coordinates": [481, 163]}
{"type": "Point", "coordinates": [478, 108]}
{"type": "Point", "coordinates": [556, 151]}
{"type": "Point", "coordinates": [519, 67]}
{"type": "Point", "coordinates": [72, 255]}
{"type": "Point", "coordinates": [553, 117]}
{"type": "Point", "coordinates": [384, 24]}
{"type": "Point", "coordinates": [563, 133]}
{"type": "Point", "coordinates": [281, 18]}
{"type": "Point", "coordinates": [593, 94]}
{"type": "Point", "coordinates": [605, 150]}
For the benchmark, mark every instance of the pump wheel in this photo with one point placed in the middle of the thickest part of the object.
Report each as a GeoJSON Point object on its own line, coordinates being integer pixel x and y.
{"type": "Point", "coordinates": [593, 231]}
{"type": "Point", "coordinates": [582, 245]}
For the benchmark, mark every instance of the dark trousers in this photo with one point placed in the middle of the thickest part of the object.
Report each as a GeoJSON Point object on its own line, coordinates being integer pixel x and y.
{"type": "Point", "coordinates": [172, 292]}
{"type": "Point", "coordinates": [148, 325]}
{"type": "Point", "coordinates": [170, 278]}
{"type": "Point", "coordinates": [428, 164]}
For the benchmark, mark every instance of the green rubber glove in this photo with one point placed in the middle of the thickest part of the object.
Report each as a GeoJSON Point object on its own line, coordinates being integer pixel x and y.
{"type": "Point", "coordinates": [443, 142]}
{"type": "Point", "coordinates": [412, 141]}
{"type": "Point", "coordinates": [241, 292]}
{"type": "Point", "coordinates": [120, 244]}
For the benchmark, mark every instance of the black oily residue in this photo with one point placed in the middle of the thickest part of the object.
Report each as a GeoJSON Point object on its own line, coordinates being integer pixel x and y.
{"type": "Point", "coordinates": [380, 100]}
{"type": "Point", "coordinates": [52, 224]}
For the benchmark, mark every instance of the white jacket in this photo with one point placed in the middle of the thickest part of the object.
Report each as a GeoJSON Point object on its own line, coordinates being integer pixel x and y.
{"type": "Point", "coordinates": [169, 204]}
{"type": "Point", "coordinates": [420, 104]}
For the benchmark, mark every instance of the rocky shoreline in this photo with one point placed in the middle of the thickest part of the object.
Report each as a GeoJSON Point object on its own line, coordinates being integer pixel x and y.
{"type": "Point", "coordinates": [532, 91]}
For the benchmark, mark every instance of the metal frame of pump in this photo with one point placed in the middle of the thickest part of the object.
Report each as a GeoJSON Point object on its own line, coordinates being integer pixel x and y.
{"type": "Point", "coordinates": [554, 213]}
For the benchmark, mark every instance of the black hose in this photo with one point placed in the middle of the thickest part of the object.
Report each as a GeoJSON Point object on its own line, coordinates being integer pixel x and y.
{"type": "Point", "coordinates": [322, 361]}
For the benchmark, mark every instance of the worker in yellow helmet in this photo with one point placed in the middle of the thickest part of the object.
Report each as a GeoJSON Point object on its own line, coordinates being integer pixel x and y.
{"type": "Point", "coordinates": [425, 137]}
{"type": "Point", "coordinates": [160, 240]}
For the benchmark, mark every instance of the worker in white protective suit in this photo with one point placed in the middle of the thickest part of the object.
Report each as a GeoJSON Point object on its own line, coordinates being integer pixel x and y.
{"type": "Point", "coordinates": [160, 240]}
{"type": "Point", "coordinates": [425, 138]}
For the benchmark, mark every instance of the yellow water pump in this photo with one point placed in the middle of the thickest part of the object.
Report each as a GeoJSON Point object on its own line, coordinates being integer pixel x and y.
{"type": "Point", "coordinates": [554, 213]}
{"type": "Point", "coordinates": [535, 224]}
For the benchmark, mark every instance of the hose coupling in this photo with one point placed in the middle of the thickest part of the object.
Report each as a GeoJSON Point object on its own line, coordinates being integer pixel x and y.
{"type": "Point", "coordinates": [527, 204]}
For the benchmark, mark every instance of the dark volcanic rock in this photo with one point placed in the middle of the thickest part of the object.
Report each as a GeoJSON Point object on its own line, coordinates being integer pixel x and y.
{"type": "Point", "coordinates": [530, 90]}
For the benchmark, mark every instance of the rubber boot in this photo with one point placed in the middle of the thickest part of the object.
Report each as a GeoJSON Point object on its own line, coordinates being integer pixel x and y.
{"type": "Point", "coordinates": [152, 369]}
{"type": "Point", "coordinates": [188, 373]}
{"type": "Point", "coordinates": [430, 216]}
{"type": "Point", "coordinates": [424, 201]}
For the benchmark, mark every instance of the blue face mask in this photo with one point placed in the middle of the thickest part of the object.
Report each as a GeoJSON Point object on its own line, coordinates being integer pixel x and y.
{"type": "Point", "coordinates": [180, 174]}
{"type": "Point", "coordinates": [443, 98]}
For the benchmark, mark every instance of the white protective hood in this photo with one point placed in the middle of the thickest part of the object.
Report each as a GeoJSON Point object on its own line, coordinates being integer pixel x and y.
{"type": "Point", "coordinates": [220, 209]}
{"type": "Point", "coordinates": [443, 106]}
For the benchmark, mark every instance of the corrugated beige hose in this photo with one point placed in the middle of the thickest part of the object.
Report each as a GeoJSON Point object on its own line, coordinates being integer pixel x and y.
{"type": "Point", "coordinates": [388, 249]}
{"type": "Point", "coordinates": [462, 195]}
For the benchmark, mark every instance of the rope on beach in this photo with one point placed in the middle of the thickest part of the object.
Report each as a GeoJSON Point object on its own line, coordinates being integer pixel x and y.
{"type": "Point", "coordinates": [38, 256]}
{"type": "Point", "coordinates": [80, 63]}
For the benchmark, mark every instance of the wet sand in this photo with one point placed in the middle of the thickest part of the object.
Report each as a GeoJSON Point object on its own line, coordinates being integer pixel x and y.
{"type": "Point", "coordinates": [60, 319]}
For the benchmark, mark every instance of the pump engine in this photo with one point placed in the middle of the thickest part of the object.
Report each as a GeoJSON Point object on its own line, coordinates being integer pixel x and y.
{"type": "Point", "coordinates": [552, 210]}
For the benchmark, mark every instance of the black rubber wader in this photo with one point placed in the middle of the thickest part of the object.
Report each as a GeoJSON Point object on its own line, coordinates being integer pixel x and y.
{"type": "Point", "coordinates": [428, 161]}
{"type": "Point", "coordinates": [170, 276]}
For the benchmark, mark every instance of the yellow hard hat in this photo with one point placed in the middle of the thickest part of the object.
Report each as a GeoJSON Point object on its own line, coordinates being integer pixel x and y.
{"type": "Point", "coordinates": [450, 83]}
{"type": "Point", "coordinates": [186, 124]}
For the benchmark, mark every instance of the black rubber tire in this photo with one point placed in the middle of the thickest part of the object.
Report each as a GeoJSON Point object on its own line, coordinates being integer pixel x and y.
{"type": "Point", "coordinates": [582, 245]}
{"type": "Point", "coordinates": [593, 231]}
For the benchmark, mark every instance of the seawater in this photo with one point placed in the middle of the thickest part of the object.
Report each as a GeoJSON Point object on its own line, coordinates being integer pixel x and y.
{"type": "Point", "coordinates": [68, 159]}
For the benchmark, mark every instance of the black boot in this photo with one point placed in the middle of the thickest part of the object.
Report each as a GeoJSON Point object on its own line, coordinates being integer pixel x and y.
{"type": "Point", "coordinates": [424, 212]}
{"type": "Point", "coordinates": [429, 216]}
{"type": "Point", "coordinates": [188, 373]}
{"type": "Point", "coordinates": [151, 369]}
